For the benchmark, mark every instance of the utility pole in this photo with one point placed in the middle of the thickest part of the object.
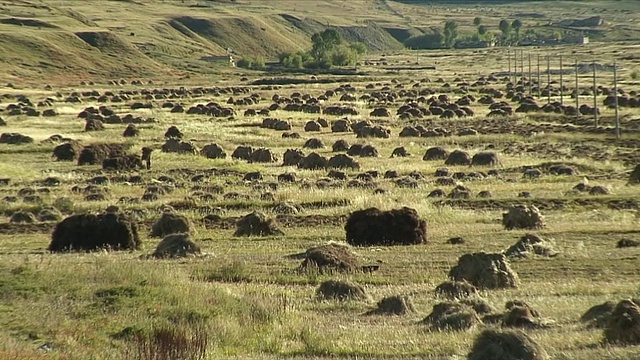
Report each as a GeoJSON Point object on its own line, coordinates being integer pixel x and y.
{"type": "Point", "coordinates": [615, 91]}
{"type": "Point", "coordinates": [577, 93]}
{"type": "Point", "coordinates": [561, 83]}
{"type": "Point", "coordinates": [530, 80]}
{"type": "Point", "coordinates": [539, 77]}
{"type": "Point", "coordinates": [548, 79]}
{"type": "Point", "coordinates": [595, 96]}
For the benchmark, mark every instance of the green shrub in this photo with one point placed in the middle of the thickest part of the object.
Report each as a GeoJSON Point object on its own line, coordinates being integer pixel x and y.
{"type": "Point", "coordinates": [244, 63]}
{"type": "Point", "coordinates": [635, 75]}
{"type": "Point", "coordinates": [426, 41]}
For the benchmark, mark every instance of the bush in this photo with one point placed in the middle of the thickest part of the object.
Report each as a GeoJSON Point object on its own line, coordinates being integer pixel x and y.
{"type": "Point", "coordinates": [426, 41]}
{"type": "Point", "coordinates": [635, 75]}
{"type": "Point", "coordinates": [245, 63]}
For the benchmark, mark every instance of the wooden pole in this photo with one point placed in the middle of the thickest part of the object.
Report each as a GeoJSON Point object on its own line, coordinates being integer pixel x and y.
{"type": "Point", "coordinates": [530, 80]}
{"type": "Point", "coordinates": [577, 90]}
{"type": "Point", "coordinates": [509, 57]}
{"type": "Point", "coordinates": [561, 83]}
{"type": "Point", "coordinates": [548, 79]}
{"type": "Point", "coordinates": [615, 91]}
{"type": "Point", "coordinates": [595, 96]}
{"type": "Point", "coordinates": [539, 77]}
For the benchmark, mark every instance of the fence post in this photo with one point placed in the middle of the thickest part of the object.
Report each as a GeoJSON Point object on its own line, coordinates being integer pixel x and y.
{"type": "Point", "coordinates": [548, 79]}
{"type": "Point", "coordinates": [577, 95]}
{"type": "Point", "coordinates": [595, 96]}
{"type": "Point", "coordinates": [509, 57]}
{"type": "Point", "coordinates": [561, 83]}
{"type": "Point", "coordinates": [539, 85]}
{"type": "Point", "coordinates": [615, 91]}
{"type": "Point", "coordinates": [522, 66]}
{"type": "Point", "coordinates": [530, 80]}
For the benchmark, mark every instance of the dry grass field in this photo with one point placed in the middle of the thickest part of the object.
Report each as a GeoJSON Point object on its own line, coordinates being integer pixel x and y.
{"type": "Point", "coordinates": [249, 296]}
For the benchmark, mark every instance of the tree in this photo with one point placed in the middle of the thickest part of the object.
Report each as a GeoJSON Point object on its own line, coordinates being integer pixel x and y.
{"type": "Point", "coordinates": [324, 42]}
{"type": "Point", "coordinates": [505, 28]}
{"type": "Point", "coordinates": [516, 25]}
{"type": "Point", "coordinates": [477, 21]}
{"type": "Point", "coordinates": [482, 30]}
{"type": "Point", "coordinates": [425, 41]}
{"type": "Point", "coordinates": [450, 33]}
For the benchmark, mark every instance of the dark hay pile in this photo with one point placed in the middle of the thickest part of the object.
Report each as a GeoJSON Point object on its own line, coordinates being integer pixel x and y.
{"type": "Point", "coordinates": [343, 161]}
{"type": "Point", "coordinates": [623, 327]}
{"type": "Point", "coordinates": [173, 145]}
{"type": "Point", "coordinates": [435, 153]}
{"type": "Point", "coordinates": [313, 161]}
{"type": "Point", "coordinates": [262, 155]}
{"type": "Point", "coordinates": [373, 227]}
{"type": "Point", "coordinates": [93, 125]}
{"type": "Point", "coordinates": [313, 143]}
{"type": "Point", "coordinates": [292, 157]}
{"type": "Point", "coordinates": [256, 224]}
{"type": "Point", "coordinates": [598, 316]}
{"type": "Point", "coordinates": [170, 223]}
{"type": "Point", "coordinates": [394, 305]}
{"type": "Point", "coordinates": [68, 151]}
{"type": "Point", "coordinates": [479, 305]}
{"type": "Point", "coordinates": [519, 314]}
{"type": "Point", "coordinates": [23, 217]}
{"type": "Point", "coordinates": [96, 153]}
{"type": "Point", "coordinates": [242, 152]}
{"type": "Point", "coordinates": [485, 271]}
{"type": "Point", "coordinates": [485, 158]}
{"type": "Point", "coordinates": [330, 258]}
{"type": "Point", "coordinates": [340, 145]}
{"type": "Point", "coordinates": [176, 246]}
{"type": "Point", "coordinates": [49, 214]}
{"type": "Point", "coordinates": [452, 316]}
{"type": "Point", "coordinates": [634, 177]}
{"type": "Point", "coordinates": [213, 151]}
{"type": "Point", "coordinates": [131, 131]}
{"type": "Point", "coordinates": [458, 157]}
{"type": "Point", "coordinates": [455, 289]}
{"type": "Point", "coordinates": [506, 345]}
{"type": "Point", "coordinates": [531, 244]}
{"type": "Point", "coordinates": [15, 139]}
{"type": "Point", "coordinates": [523, 217]}
{"type": "Point", "coordinates": [457, 240]}
{"type": "Point", "coordinates": [125, 162]}
{"type": "Point", "coordinates": [340, 290]}
{"type": "Point", "coordinates": [173, 133]}
{"type": "Point", "coordinates": [624, 243]}
{"type": "Point", "coordinates": [88, 232]}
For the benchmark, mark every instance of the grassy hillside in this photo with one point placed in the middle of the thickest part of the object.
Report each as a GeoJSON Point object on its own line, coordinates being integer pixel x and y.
{"type": "Point", "coordinates": [100, 39]}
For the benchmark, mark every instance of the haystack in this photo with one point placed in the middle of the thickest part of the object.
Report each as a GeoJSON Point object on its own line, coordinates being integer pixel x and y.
{"type": "Point", "coordinates": [523, 217]}
{"type": "Point", "coordinates": [531, 244]}
{"type": "Point", "coordinates": [68, 151]}
{"type": "Point", "coordinates": [393, 305]}
{"type": "Point", "coordinates": [292, 157]}
{"type": "Point", "coordinates": [519, 314]}
{"type": "Point", "coordinates": [242, 152]}
{"type": "Point", "coordinates": [485, 271]}
{"type": "Point", "coordinates": [451, 316]}
{"type": "Point", "coordinates": [330, 258]}
{"type": "Point", "coordinates": [170, 223]}
{"type": "Point", "coordinates": [458, 157]}
{"type": "Point", "coordinates": [455, 289]}
{"type": "Point", "coordinates": [623, 327]}
{"type": "Point", "coordinates": [598, 316]}
{"type": "Point", "coordinates": [313, 161]}
{"type": "Point", "coordinates": [373, 227]}
{"type": "Point", "coordinates": [96, 153]}
{"type": "Point", "coordinates": [176, 246]}
{"type": "Point", "coordinates": [87, 232]}
{"type": "Point", "coordinates": [435, 153]}
{"type": "Point", "coordinates": [624, 243]}
{"type": "Point", "coordinates": [213, 151]}
{"type": "Point", "coordinates": [23, 217]}
{"type": "Point", "coordinates": [634, 177]}
{"type": "Point", "coordinates": [49, 214]}
{"type": "Point", "coordinates": [340, 290]}
{"type": "Point", "coordinates": [256, 224]}
{"type": "Point", "coordinates": [340, 145]}
{"type": "Point", "coordinates": [343, 161]}
{"type": "Point", "coordinates": [485, 158]}
{"type": "Point", "coordinates": [506, 345]}
{"type": "Point", "coordinates": [313, 143]}
{"type": "Point", "coordinates": [262, 155]}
